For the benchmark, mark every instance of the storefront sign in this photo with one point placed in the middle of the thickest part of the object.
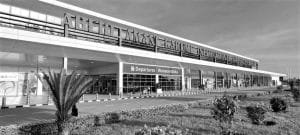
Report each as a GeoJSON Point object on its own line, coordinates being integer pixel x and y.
{"type": "Point", "coordinates": [8, 77]}
{"type": "Point", "coordinates": [145, 69]}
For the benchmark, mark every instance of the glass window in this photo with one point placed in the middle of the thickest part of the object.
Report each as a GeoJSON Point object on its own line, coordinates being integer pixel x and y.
{"type": "Point", "coordinates": [38, 16]}
{"type": "Point", "coordinates": [137, 83]}
{"type": "Point", "coordinates": [4, 8]}
{"type": "Point", "coordinates": [50, 19]}
{"type": "Point", "coordinates": [15, 11]}
{"type": "Point", "coordinates": [170, 83]}
{"type": "Point", "coordinates": [24, 12]}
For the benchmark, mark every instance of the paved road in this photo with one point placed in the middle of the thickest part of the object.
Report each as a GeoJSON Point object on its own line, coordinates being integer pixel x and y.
{"type": "Point", "coordinates": [33, 114]}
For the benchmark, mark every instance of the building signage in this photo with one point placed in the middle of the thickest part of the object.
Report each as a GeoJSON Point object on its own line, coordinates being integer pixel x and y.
{"type": "Point", "coordinates": [9, 77]}
{"type": "Point", "coordinates": [140, 37]}
{"type": "Point", "coordinates": [146, 69]}
{"type": "Point", "coordinates": [103, 27]}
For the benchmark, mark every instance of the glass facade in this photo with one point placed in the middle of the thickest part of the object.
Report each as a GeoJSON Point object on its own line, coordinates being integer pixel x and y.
{"type": "Point", "coordinates": [103, 84]}
{"type": "Point", "coordinates": [18, 79]}
{"type": "Point", "coordinates": [170, 82]}
{"type": "Point", "coordinates": [208, 79]}
{"type": "Point", "coordinates": [134, 83]}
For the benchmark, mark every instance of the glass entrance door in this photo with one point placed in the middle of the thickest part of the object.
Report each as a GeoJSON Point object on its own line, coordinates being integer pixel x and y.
{"type": "Point", "coordinates": [103, 84]}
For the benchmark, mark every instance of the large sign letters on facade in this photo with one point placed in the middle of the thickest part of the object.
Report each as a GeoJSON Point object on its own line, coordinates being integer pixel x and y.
{"type": "Point", "coordinates": [142, 38]}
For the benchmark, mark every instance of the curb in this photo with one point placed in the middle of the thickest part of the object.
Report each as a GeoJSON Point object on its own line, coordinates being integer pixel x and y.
{"type": "Point", "coordinates": [123, 98]}
{"type": "Point", "coordinates": [106, 100]}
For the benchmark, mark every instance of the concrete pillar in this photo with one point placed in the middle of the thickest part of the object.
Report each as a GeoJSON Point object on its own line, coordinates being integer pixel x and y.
{"type": "Point", "coordinates": [182, 80]}
{"type": "Point", "coordinates": [65, 63]}
{"type": "Point", "coordinates": [39, 88]}
{"type": "Point", "coordinates": [215, 76]}
{"type": "Point", "coordinates": [237, 80]}
{"type": "Point", "coordinates": [156, 78]}
{"type": "Point", "coordinates": [201, 78]}
{"type": "Point", "coordinates": [223, 80]}
{"type": "Point", "coordinates": [120, 78]}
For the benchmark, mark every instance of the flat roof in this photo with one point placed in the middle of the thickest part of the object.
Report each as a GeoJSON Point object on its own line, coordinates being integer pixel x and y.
{"type": "Point", "coordinates": [89, 12]}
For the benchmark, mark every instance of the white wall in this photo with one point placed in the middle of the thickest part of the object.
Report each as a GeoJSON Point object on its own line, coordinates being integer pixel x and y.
{"type": "Point", "coordinates": [277, 81]}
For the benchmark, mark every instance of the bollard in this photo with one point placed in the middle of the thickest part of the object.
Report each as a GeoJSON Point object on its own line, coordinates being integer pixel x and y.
{"type": "Point", "coordinates": [49, 99]}
{"type": "Point", "coordinates": [3, 102]}
{"type": "Point", "coordinates": [28, 99]}
{"type": "Point", "coordinates": [82, 98]}
{"type": "Point", "coordinates": [97, 97]}
{"type": "Point", "coordinates": [109, 95]}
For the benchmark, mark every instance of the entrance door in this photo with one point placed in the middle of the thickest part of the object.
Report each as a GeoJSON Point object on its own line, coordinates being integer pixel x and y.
{"type": "Point", "coordinates": [104, 84]}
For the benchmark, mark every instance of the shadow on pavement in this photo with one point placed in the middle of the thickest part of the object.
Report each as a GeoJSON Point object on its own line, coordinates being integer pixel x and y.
{"type": "Point", "coordinates": [191, 115]}
{"type": "Point", "coordinates": [257, 99]}
{"type": "Point", "coordinates": [25, 115]}
{"type": "Point", "coordinates": [142, 123]}
{"type": "Point", "coordinates": [181, 98]}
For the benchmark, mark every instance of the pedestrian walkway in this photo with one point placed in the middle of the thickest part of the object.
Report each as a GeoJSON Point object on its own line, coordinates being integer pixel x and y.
{"type": "Point", "coordinates": [34, 114]}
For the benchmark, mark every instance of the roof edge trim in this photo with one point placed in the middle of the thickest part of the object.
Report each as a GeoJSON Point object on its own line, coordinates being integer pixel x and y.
{"type": "Point", "coordinates": [93, 13]}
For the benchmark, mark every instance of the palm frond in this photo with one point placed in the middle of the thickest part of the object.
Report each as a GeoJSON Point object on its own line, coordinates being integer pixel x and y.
{"type": "Point", "coordinates": [66, 90]}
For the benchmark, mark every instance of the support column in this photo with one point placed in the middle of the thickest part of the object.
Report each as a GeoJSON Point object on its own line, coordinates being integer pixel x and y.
{"type": "Point", "coordinates": [201, 79]}
{"type": "Point", "coordinates": [156, 78]}
{"type": "Point", "coordinates": [65, 63]}
{"type": "Point", "coordinates": [215, 76]}
{"type": "Point", "coordinates": [223, 80]}
{"type": "Point", "coordinates": [182, 80]}
{"type": "Point", "coordinates": [237, 80]}
{"type": "Point", "coordinates": [227, 80]}
{"type": "Point", "coordinates": [251, 80]}
{"type": "Point", "coordinates": [120, 79]}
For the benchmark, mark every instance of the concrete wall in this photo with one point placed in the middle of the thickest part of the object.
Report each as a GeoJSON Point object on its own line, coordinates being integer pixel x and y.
{"type": "Point", "coordinates": [277, 81]}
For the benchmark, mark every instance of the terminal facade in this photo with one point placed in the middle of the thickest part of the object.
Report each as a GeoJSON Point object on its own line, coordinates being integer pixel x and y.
{"type": "Point", "coordinates": [120, 56]}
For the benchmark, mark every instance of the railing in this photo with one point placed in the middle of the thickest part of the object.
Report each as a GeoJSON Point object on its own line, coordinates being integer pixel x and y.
{"type": "Point", "coordinates": [30, 24]}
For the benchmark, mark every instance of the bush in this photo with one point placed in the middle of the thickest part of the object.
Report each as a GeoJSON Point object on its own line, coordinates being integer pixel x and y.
{"type": "Point", "coordinates": [279, 89]}
{"type": "Point", "coordinates": [256, 114]}
{"type": "Point", "coordinates": [278, 104]}
{"type": "Point", "coordinates": [223, 109]}
{"type": "Point", "coordinates": [163, 130]}
{"type": "Point", "coordinates": [296, 94]}
{"type": "Point", "coordinates": [112, 118]}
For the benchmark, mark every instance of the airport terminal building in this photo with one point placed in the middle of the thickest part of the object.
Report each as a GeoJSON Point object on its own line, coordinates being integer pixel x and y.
{"type": "Point", "coordinates": [120, 56]}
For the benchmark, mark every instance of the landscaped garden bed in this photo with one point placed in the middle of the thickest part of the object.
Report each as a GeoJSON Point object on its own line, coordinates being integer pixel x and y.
{"type": "Point", "coordinates": [192, 118]}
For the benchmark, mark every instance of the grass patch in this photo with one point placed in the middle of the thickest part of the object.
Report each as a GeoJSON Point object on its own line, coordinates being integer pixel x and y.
{"type": "Point", "coordinates": [197, 120]}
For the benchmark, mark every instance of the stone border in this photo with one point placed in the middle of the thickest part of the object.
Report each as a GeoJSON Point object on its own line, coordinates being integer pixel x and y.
{"type": "Point", "coordinates": [126, 98]}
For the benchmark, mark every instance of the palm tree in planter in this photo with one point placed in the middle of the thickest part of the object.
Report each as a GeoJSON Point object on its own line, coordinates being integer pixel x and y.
{"type": "Point", "coordinates": [66, 91]}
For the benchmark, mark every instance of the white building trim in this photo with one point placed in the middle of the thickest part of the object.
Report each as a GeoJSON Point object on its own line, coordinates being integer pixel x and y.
{"type": "Point", "coordinates": [89, 12]}
{"type": "Point", "coordinates": [15, 34]}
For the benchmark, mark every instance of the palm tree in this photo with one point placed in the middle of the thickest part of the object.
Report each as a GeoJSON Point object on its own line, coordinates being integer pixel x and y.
{"type": "Point", "coordinates": [66, 91]}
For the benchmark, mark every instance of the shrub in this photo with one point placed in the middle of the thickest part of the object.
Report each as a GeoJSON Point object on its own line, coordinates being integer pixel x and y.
{"type": "Point", "coordinates": [112, 118]}
{"type": "Point", "coordinates": [223, 109]}
{"type": "Point", "coordinates": [98, 121]}
{"type": "Point", "coordinates": [279, 89]}
{"type": "Point", "coordinates": [256, 114]}
{"type": "Point", "coordinates": [278, 104]}
{"type": "Point", "coordinates": [296, 94]}
{"type": "Point", "coordinates": [160, 130]}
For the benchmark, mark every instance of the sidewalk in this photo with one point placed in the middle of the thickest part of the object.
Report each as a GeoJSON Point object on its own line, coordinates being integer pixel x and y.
{"type": "Point", "coordinates": [34, 114]}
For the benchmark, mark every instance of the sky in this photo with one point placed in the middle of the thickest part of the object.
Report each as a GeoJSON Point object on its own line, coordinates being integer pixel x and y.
{"type": "Point", "coordinates": [267, 30]}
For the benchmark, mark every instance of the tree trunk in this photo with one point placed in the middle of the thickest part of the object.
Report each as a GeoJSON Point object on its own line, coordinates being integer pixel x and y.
{"type": "Point", "coordinates": [63, 128]}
